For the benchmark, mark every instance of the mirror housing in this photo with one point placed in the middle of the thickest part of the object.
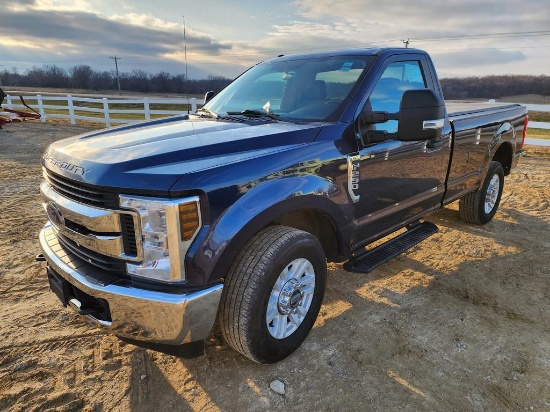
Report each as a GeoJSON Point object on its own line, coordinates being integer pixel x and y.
{"type": "Point", "coordinates": [421, 115]}
{"type": "Point", "coordinates": [208, 95]}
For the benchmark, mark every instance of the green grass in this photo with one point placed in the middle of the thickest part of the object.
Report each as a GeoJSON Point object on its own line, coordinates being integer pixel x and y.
{"type": "Point", "coordinates": [538, 134]}
{"type": "Point", "coordinates": [535, 116]}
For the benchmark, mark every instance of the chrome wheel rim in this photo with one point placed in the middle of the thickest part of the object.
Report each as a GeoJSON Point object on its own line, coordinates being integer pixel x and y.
{"type": "Point", "coordinates": [290, 298]}
{"type": "Point", "coordinates": [492, 194]}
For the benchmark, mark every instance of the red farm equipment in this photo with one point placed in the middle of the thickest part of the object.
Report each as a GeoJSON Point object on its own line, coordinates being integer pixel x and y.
{"type": "Point", "coordinates": [16, 115]}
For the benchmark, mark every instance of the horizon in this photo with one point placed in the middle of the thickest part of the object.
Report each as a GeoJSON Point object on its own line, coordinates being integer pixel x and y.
{"type": "Point", "coordinates": [151, 74]}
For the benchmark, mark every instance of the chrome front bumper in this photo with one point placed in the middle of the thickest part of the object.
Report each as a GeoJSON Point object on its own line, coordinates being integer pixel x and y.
{"type": "Point", "coordinates": [138, 314]}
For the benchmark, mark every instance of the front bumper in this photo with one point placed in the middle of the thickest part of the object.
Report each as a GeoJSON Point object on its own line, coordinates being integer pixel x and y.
{"type": "Point", "coordinates": [138, 314]}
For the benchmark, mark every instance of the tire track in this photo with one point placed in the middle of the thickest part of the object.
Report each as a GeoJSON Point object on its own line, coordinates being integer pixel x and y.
{"type": "Point", "coordinates": [51, 343]}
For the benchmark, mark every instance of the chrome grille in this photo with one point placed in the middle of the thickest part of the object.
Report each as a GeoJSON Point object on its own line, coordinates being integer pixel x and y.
{"type": "Point", "coordinates": [128, 235]}
{"type": "Point", "coordinates": [81, 192]}
{"type": "Point", "coordinates": [111, 265]}
{"type": "Point", "coordinates": [91, 196]}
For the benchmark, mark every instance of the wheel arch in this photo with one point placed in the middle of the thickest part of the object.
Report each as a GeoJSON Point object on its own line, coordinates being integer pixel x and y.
{"type": "Point", "coordinates": [273, 204]}
{"type": "Point", "coordinates": [316, 218]}
{"type": "Point", "coordinates": [504, 156]}
{"type": "Point", "coordinates": [502, 142]}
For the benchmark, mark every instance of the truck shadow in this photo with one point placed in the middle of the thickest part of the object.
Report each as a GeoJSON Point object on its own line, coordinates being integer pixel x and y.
{"type": "Point", "coordinates": [166, 383]}
{"type": "Point", "coordinates": [423, 329]}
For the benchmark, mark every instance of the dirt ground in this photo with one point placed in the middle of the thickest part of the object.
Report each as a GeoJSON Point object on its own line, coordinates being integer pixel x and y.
{"type": "Point", "coordinates": [459, 323]}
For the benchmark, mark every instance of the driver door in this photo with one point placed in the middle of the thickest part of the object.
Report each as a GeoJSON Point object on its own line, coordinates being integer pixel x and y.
{"type": "Point", "coordinates": [399, 181]}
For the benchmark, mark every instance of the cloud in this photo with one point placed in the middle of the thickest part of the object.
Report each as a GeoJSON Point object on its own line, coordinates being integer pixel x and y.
{"type": "Point", "coordinates": [81, 30]}
{"type": "Point", "coordinates": [485, 57]}
{"type": "Point", "coordinates": [57, 31]}
{"type": "Point", "coordinates": [73, 34]}
{"type": "Point", "coordinates": [444, 15]}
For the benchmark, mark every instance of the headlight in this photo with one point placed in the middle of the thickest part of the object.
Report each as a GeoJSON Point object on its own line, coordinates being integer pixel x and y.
{"type": "Point", "coordinates": [167, 229]}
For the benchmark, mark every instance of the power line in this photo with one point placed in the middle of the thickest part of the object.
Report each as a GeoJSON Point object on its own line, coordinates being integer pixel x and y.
{"type": "Point", "coordinates": [389, 41]}
{"type": "Point", "coordinates": [485, 36]}
{"type": "Point", "coordinates": [346, 45]}
{"type": "Point", "coordinates": [524, 34]}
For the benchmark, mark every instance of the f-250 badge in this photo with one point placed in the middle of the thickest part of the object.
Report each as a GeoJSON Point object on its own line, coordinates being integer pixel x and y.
{"type": "Point", "coordinates": [353, 177]}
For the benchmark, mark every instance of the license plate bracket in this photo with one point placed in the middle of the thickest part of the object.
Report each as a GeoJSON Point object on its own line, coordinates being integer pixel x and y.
{"type": "Point", "coordinates": [60, 287]}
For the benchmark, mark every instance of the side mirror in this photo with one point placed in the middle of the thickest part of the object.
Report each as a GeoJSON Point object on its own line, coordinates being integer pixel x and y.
{"type": "Point", "coordinates": [208, 95]}
{"type": "Point", "coordinates": [421, 115]}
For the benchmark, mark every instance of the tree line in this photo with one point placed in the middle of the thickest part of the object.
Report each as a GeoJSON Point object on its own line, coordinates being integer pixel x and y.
{"type": "Point", "coordinates": [494, 87]}
{"type": "Point", "coordinates": [85, 78]}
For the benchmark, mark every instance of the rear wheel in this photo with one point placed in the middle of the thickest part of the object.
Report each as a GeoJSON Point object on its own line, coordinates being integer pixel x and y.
{"type": "Point", "coordinates": [273, 293]}
{"type": "Point", "coordinates": [479, 207]}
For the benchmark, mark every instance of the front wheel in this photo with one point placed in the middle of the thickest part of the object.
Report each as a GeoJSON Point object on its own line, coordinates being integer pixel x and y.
{"type": "Point", "coordinates": [479, 207]}
{"type": "Point", "coordinates": [273, 293]}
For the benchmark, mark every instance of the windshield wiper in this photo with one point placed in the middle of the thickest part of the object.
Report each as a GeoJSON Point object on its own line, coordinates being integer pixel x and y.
{"type": "Point", "coordinates": [203, 111]}
{"type": "Point", "coordinates": [255, 113]}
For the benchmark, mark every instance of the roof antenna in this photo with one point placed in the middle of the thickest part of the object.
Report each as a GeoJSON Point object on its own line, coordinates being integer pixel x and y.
{"type": "Point", "coordinates": [185, 56]}
{"type": "Point", "coordinates": [406, 43]}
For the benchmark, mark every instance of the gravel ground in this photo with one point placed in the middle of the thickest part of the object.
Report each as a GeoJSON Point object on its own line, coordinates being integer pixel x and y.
{"type": "Point", "coordinates": [458, 323]}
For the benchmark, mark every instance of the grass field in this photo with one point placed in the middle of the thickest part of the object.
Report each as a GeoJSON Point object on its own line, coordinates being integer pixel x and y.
{"type": "Point", "coordinates": [535, 116]}
{"type": "Point", "coordinates": [538, 133]}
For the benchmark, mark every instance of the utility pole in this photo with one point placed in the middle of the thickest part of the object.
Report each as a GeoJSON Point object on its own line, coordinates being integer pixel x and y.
{"type": "Point", "coordinates": [115, 58]}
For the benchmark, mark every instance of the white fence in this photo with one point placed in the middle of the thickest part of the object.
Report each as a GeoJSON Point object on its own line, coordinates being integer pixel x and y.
{"type": "Point", "coordinates": [538, 108]}
{"type": "Point", "coordinates": [105, 110]}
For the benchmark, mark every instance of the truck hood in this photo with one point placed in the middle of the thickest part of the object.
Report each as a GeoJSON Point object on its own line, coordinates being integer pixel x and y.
{"type": "Point", "coordinates": [151, 156]}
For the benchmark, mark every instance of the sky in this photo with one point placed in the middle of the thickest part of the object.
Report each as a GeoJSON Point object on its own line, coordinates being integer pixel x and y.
{"type": "Point", "coordinates": [224, 38]}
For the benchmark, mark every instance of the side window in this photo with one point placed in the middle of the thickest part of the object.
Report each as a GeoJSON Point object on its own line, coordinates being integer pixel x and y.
{"type": "Point", "coordinates": [396, 79]}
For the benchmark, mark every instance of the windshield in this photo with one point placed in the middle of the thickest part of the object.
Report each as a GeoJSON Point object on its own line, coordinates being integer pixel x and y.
{"type": "Point", "coordinates": [310, 89]}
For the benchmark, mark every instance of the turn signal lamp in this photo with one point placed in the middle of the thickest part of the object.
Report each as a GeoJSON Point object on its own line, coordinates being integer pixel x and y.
{"type": "Point", "coordinates": [189, 220]}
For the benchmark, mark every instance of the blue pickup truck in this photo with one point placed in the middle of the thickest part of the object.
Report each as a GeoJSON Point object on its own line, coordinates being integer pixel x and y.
{"type": "Point", "coordinates": [158, 230]}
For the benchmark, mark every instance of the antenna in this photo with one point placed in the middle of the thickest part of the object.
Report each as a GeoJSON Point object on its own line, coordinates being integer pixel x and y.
{"type": "Point", "coordinates": [185, 56]}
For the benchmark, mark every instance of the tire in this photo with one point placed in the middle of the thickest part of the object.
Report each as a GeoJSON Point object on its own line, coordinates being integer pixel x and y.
{"type": "Point", "coordinates": [479, 207]}
{"type": "Point", "coordinates": [272, 293]}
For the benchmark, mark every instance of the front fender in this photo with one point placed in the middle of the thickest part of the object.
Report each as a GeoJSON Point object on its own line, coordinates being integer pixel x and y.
{"type": "Point", "coordinates": [209, 258]}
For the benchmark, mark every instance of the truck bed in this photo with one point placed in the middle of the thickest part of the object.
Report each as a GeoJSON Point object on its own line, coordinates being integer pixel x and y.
{"type": "Point", "coordinates": [457, 110]}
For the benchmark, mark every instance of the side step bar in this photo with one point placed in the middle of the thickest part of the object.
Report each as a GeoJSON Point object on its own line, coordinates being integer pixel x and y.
{"type": "Point", "coordinates": [366, 262]}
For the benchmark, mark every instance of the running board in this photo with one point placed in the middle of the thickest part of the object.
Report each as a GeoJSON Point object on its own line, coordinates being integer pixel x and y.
{"type": "Point", "coordinates": [370, 260]}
